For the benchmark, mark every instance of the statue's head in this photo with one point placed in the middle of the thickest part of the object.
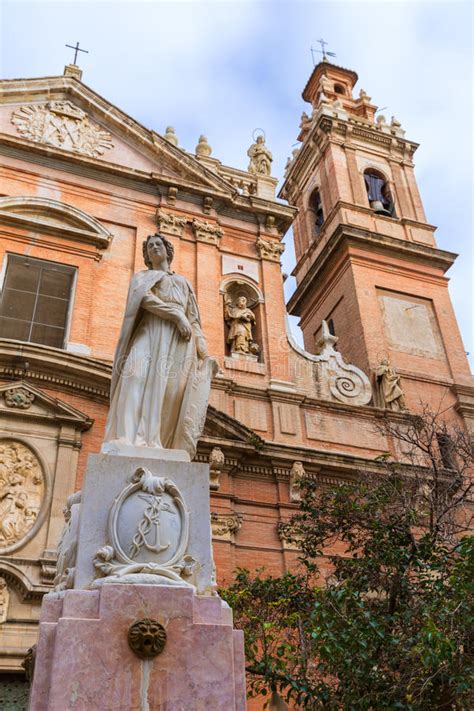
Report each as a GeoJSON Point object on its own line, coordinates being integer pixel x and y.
{"type": "Point", "coordinates": [150, 242]}
{"type": "Point", "coordinates": [242, 302]}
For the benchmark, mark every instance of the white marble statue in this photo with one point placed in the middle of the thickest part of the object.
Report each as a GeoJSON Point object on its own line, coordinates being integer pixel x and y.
{"type": "Point", "coordinates": [162, 372]}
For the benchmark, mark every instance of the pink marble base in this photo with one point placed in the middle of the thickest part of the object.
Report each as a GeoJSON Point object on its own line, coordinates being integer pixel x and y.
{"type": "Point", "coordinates": [83, 661]}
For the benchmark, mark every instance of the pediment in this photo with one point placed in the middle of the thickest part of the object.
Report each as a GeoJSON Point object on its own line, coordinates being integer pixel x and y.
{"type": "Point", "coordinates": [65, 116]}
{"type": "Point", "coordinates": [20, 399]}
{"type": "Point", "coordinates": [45, 215]}
{"type": "Point", "coordinates": [222, 426]}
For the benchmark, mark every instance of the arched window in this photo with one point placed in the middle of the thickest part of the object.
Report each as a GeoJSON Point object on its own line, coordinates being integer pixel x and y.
{"type": "Point", "coordinates": [339, 89]}
{"type": "Point", "coordinates": [316, 208]}
{"type": "Point", "coordinates": [378, 192]}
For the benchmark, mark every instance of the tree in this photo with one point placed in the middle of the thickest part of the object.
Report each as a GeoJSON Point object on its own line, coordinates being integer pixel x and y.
{"type": "Point", "coordinates": [379, 614]}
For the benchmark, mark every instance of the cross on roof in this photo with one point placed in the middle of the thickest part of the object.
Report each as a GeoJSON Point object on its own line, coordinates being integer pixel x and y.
{"type": "Point", "coordinates": [321, 51]}
{"type": "Point", "coordinates": [76, 50]}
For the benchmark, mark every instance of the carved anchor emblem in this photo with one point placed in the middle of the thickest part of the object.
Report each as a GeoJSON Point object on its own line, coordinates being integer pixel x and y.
{"type": "Point", "coordinates": [150, 524]}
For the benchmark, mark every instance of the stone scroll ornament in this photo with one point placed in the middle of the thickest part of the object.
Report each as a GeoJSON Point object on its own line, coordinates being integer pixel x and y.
{"type": "Point", "coordinates": [345, 382]}
{"type": "Point", "coordinates": [148, 532]}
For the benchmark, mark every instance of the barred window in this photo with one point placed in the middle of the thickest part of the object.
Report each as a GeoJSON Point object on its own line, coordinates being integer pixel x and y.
{"type": "Point", "coordinates": [35, 300]}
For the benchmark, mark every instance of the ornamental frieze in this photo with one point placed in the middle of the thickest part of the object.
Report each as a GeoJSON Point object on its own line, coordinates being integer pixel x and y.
{"type": "Point", "coordinates": [22, 490]}
{"type": "Point", "coordinates": [63, 125]}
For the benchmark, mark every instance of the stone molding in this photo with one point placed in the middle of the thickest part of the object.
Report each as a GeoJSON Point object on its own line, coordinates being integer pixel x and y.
{"type": "Point", "coordinates": [225, 525]}
{"type": "Point", "coordinates": [270, 249]}
{"type": "Point", "coordinates": [53, 217]}
{"type": "Point", "coordinates": [169, 223]}
{"type": "Point", "coordinates": [64, 125]}
{"type": "Point", "coordinates": [207, 232]}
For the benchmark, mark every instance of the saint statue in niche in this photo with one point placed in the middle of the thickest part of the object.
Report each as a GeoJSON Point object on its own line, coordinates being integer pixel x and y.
{"type": "Point", "coordinates": [162, 372]}
{"type": "Point", "coordinates": [240, 319]}
{"type": "Point", "coordinates": [260, 157]}
{"type": "Point", "coordinates": [389, 388]}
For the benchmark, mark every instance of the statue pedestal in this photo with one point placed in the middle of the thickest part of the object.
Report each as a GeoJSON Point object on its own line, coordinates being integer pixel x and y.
{"type": "Point", "coordinates": [83, 659]}
{"type": "Point", "coordinates": [137, 548]}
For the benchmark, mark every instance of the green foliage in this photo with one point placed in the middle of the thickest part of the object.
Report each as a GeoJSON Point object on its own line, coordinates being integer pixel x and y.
{"type": "Point", "coordinates": [384, 623]}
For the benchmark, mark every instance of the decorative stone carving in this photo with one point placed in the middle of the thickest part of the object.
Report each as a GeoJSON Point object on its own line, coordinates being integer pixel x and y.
{"type": "Point", "coordinates": [389, 392]}
{"type": "Point", "coordinates": [20, 398]}
{"type": "Point", "coordinates": [297, 473]}
{"type": "Point", "coordinates": [260, 158]}
{"type": "Point", "coordinates": [148, 531]}
{"type": "Point", "coordinates": [216, 462]}
{"type": "Point", "coordinates": [28, 663]}
{"type": "Point", "coordinates": [61, 124]}
{"type": "Point", "coordinates": [4, 599]}
{"type": "Point", "coordinates": [334, 377]}
{"type": "Point", "coordinates": [67, 547]}
{"type": "Point", "coordinates": [240, 320]}
{"type": "Point", "coordinates": [225, 525]}
{"type": "Point", "coordinates": [22, 489]}
{"type": "Point", "coordinates": [269, 249]}
{"type": "Point", "coordinates": [172, 195]}
{"type": "Point", "coordinates": [169, 223]}
{"type": "Point", "coordinates": [146, 638]}
{"type": "Point", "coordinates": [203, 148]}
{"type": "Point", "coordinates": [171, 136]}
{"type": "Point", "coordinates": [207, 232]}
{"type": "Point", "coordinates": [207, 205]}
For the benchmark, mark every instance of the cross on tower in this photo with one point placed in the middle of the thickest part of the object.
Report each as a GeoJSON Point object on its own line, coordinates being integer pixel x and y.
{"type": "Point", "coordinates": [321, 51]}
{"type": "Point", "coordinates": [76, 50]}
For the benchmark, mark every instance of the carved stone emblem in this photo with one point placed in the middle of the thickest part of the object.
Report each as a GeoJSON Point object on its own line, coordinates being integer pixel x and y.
{"type": "Point", "coordinates": [207, 232]}
{"type": "Point", "coordinates": [148, 531]}
{"type": "Point", "coordinates": [269, 249]}
{"type": "Point", "coordinates": [170, 223]}
{"type": "Point", "coordinates": [21, 492]}
{"type": "Point", "coordinates": [216, 462]}
{"type": "Point", "coordinates": [4, 599]}
{"type": "Point", "coordinates": [147, 638]}
{"type": "Point", "coordinates": [61, 124]}
{"type": "Point", "coordinates": [20, 398]}
{"type": "Point", "coordinates": [225, 525]}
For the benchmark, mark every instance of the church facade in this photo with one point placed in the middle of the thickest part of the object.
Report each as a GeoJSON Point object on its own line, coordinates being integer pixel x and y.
{"type": "Point", "coordinates": [82, 186]}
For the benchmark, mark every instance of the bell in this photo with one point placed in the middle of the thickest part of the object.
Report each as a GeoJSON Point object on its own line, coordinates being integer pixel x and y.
{"type": "Point", "coordinates": [378, 208]}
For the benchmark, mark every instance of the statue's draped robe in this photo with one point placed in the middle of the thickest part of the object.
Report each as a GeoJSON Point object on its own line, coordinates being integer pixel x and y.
{"type": "Point", "coordinates": [159, 386]}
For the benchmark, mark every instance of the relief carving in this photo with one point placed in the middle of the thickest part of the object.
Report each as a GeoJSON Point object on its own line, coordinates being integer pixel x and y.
{"type": "Point", "coordinates": [21, 492]}
{"type": "Point", "coordinates": [4, 599]}
{"type": "Point", "coordinates": [207, 232]}
{"type": "Point", "coordinates": [169, 223]}
{"type": "Point", "coordinates": [20, 398]}
{"type": "Point", "coordinates": [225, 525]}
{"type": "Point", "coordinates": [146, 638]}
{"type": "Point", "coordinates": [269, 249]}
{"type": "Point", "coordinates": [61, 124]}
{"type": "Point", "coordinates": [148, 531]}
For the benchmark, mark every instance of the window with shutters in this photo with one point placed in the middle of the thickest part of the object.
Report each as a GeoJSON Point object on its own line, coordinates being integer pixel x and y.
{"type": "Point", "coordinates": [35, 300]}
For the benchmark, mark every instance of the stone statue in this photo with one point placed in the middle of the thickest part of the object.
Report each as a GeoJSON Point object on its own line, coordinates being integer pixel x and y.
{"type": "Point", "coordinates": [240, 319]}
{"type": "Point", "coordinates": [260, 158]}
{"type": "Point", "coordinates": [4, 598]}
{"type": "Point", "coordinates": [162, 372]}
{"type": "Point", "coordinates": [388, 387]}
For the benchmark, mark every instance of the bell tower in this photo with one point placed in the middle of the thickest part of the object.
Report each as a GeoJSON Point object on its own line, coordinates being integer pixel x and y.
{"type": "Point", "coordinates": [367, 260]}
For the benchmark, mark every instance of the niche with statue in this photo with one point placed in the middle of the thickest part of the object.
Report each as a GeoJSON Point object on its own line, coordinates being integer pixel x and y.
{"type": "Point", "coordinates": [242, 306]}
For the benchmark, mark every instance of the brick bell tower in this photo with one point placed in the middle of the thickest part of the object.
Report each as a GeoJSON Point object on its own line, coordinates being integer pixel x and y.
{"type": "Point", "coordinates": [367, 260]}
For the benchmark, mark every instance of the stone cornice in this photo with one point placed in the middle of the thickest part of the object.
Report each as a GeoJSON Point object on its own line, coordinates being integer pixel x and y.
{"type": "Point", "coordinates": [371, 241]}
{"type": "Point", "coordinates": [55, 368]}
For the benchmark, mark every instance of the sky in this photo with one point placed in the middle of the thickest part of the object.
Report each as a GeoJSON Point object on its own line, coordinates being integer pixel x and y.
{"type": "Point", "coordinates": [225, 68]}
